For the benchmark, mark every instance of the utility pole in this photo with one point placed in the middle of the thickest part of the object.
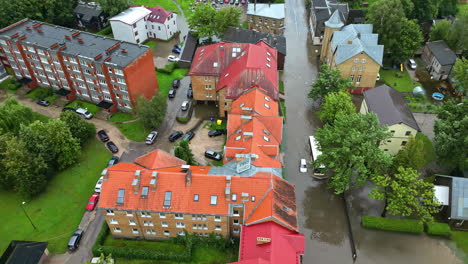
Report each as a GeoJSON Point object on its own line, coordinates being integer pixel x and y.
{"type": "Point", "coordinates": [24, 210]}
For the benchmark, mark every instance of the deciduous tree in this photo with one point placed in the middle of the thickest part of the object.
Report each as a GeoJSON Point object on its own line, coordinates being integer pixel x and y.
{"type": "Point", "coordinates": [152, 112]}
{"type": "Point", "coordinates": [405, 194]}
{"type": "Point", "coordinates": [451, 135]}
{"type": "Point", "coordinates": [13, 115]}
{"type": "Point", "coordinates": [425, 9]}
{"type": "Point", "coordinates": [183, 152]}
{"type": "Point", "coordinates": [409, 41]}
{"type": "Point", "coordinates": [460, 72]}
{"type": "Point", "coordinates": [208, 22]}
{"type": "Point", "coordinates": [440, 30]}
{"type": "Point", "coordinates": [448, 8]}
{"type": "Point", "coordinates": [336, 104]}
{"type": "Point", "coordinates": [113, 7]}
{"type": "Point", "coordinates": [410, 156]}
{"type": "Point", "coordinates": [79, 128]}
{"type": "Point", "coordinates": [350, 148]}
{"type": "Point", "coordinates": [329, 81]}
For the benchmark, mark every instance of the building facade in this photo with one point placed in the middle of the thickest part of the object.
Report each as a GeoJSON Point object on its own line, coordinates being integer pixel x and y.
{"type": "Point", "coordinates": [320, 11]}
{"type": "Point", "coordinates": [267, 18]}
{"type": "Point", "coordinates": [76, 64]}
{"type": "Point", "coordinates": [353, 49]}
{"type": "Point", "coordinates": [90, 16]}
{"type": "Point", "coordinates": [439, 58]}
{"type": "Point", "coordinates": [139, 23]}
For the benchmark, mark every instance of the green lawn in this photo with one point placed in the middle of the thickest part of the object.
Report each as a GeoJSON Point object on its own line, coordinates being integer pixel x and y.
{"type": "Point", "coordinates": [58, 211]}
{"type": "Point", "coordinates": [40, 117]}
{"type": "Point", "coordinates": [135, 131]}
{"type": "Point", "coordinates": [153, 245]}
{"type": "Point", "coordinates": [121, 117]}
{"type": "Point", "coordinates": [106, 32]}
{"type": "Point", "coordinates": [166, 4]}
{"type": "Point", "coordinates": [401, 84]}
{"type": "Point", "coordinates": [461, 239]}
{"type": "Point", "coordinates": [282, 105]}
{"type": "Point", "coordinates": [88, 106]}
{"type": "Point", "coordinates": [38, 93]}
{"type": "Point", "coordinates": [462, 8]}
{"type": "Point", "coordinates": [185, 5]}
{"type": "Point", "coordinates": [281, 86]}
{"type": "Point", "coordinates": [150, 43]}
{"type": "Point", "coordinates": [165, 80]}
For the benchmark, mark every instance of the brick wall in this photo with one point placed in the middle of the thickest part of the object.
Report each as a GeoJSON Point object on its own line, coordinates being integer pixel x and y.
{"type": "Point", "coordinates": [265, 24]}
{"type": "Point", "coordinates": [224, 104]}
{"type": "Point", "coordinates": [140, 77]}
{"type": "Point", "coordinates": [204, 88]}
{"type": "Point", "coordinates": [369, 68]}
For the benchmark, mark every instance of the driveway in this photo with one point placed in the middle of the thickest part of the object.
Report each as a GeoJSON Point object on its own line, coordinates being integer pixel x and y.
{"type": "Point", "coordinates": [426, 123]}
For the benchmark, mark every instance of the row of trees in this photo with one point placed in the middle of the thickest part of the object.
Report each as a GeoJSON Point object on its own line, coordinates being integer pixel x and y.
{"type": "Point", "coordinates": [32, 151]}
{"type": "Point", "coordinates": [350, 142]}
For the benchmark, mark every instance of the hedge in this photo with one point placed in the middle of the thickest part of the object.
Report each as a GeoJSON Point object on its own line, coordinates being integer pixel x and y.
{"type": "Point", "coordinates": [438, 229]}
{"type": "Point", "coordinates": [139, 253]}
{"type": "Point", "coordinates": [400, 225]}
{"type": "Point", "coordinates": [169, 68]}
{"type": "Point", "coordinates": [182, 119]}
{"type": "Point", "coordinates": [100, 239]}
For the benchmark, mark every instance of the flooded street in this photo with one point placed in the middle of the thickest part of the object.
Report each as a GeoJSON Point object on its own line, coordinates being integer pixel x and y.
{"type": "Point", "coordinates": [321, 213]}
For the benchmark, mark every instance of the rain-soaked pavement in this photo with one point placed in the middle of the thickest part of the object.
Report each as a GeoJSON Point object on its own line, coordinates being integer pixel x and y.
{"type": "Point", "coordinates": [321, 213]}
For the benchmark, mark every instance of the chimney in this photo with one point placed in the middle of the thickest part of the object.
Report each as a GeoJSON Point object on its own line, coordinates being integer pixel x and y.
{"type": "Point", "coordinates": [153, 181]}
{"type": "Point", "coordinates": [350, 41]}
{"type": "Point", "coordinates": [227, 193]}
{"type": "Point", "coordinates": [184, 168]}
{"type": "Point", "coordinates": [188, 178]}
{"type": "Point", "coordinates": [263, 240]}
{"type": "Point", "coordinates": [80, 40]}
{"type": "Point", "coordinates": [105, 174]}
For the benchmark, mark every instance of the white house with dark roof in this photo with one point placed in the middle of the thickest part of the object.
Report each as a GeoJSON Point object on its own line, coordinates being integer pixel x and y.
{"type": "Point", "coordinates": [439, 58]}
{"type": "Point", "coordinates": [392, 111]}
{"type": "Point", "coordinates": [138, 23]}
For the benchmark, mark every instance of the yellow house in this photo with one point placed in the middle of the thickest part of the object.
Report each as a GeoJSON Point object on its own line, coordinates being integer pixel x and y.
{"type": "Point", "coordinates": [354, 50]}
{"type": "Point", "coordinates": [391, 109]}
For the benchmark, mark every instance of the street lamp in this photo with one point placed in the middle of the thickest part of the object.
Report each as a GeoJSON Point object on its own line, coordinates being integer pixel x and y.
{"type": "Point", "coordinates": [23, 203]}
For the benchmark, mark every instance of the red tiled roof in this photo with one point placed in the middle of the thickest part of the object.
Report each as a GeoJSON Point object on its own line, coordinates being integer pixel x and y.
{"type": "Point", "coordinates": [238, 66]}
{"type": "Point", "coordinates": [158, 14]}
{"type": "Point", "coordinates": [255, 98]}
{"type": "Point", "coordinates": [272, 194]}
{"type": "Point", "coordinates": [158, 159]}
{"type": "Point", "coordinates": [285, 245]}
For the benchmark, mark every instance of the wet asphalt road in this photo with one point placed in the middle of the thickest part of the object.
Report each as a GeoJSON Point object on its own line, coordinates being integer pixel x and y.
{"type": "Point", "coordinates": [321, 213]}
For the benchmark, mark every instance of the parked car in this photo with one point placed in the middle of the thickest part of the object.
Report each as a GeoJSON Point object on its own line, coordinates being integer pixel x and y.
{"type": "Point", "coordinates": [151, 137]}
{"type": "Point", "coordinates": [75, 239]}
{"type": "Point", "coordinates": [215, 132]}
{"type": "Point", "coordinates": [43, 102]}
{"type": "Point", "coordinates": [68, 109]}
{"type": "Point", "coordinates": [232, 2]}
{"type": "Point", "coordinates": [213, 155]}
{"type": "Point", "coordinates": [185, 105]}
{"type": "Point", "coordinates": [112, 147]}
{"type": "Point", "coordinates": [412, 64]}
{"type": "Point", "coordinates": [188, 136]}
{"type": "Point", "coordinates": [93, 200]}
{"type": "Point", "coordinates": [303, 166]}
{"type": "Point", "coordinates": [172, 58]}
{"type": "Point", "coordinates": [176, 50]}
{"type": "Point", "coordinates": [175, 135]}
{"type": "Point", "coordinates": [236, 2]}
{"type": "Point", "coordinates": [177, 47]}
{"type": "Point", "coordinates": [176, 83]}
{"type": "Point", "coordinates": [84, 113]}
{"type": "Point", "coordinates": [243, 2]}
{"type": "Point", "coordinates": [114, 160]}
{"type": "Point", "coordinates": [98, 186]}
{"type": "Point", "coordinates": [213, 4]}
{"type": "Point", "coordinates": [172, 93]}
{"type": "Point", "coordinates": [226, 1]}
{"type": "Point", "coordinates": [103, 136]}
{"type": "Point", "coordinates": [221, 2]}
{"type": "Point", "coordinates": [190, 93]}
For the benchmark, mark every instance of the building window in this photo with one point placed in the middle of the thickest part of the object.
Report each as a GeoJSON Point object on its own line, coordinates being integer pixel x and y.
{"type": "Point", "coordinates": [356, 60]}
{"type": "Point", "coordinates": [181, 233]}
{"type": "Point", "coordinates": [117, 71]}
{"type": "Point", "coordinates": [162, 215]}
{"type": "Point", "coordinates": [214, 200]}
{"type": "Point", "coordinates": [208, 86]}
{"type": "Point", "coordinates": [148, 223]}
{"type": "Point", "coordinates": [217, 218]}
{"type": "Point", "coordinates": [145, 214]}
{"type": "Point", "coordinates": [353, 69]}
{"type": "Point", "coordinates": [117, 230]}
{"type": "Point", "coordinates": [136, 33]}
{"type": "Point", "coordinates": [134, 25]}
{"type": "Point", "coordinates": [164, 224]}
{"type": "Point", "coordinates": [166, 233]}
{"type": "Point", "coordinates": [195, 197]}
{"type": "Point", "coordinates": [113, 221]}
{"type": "Point", "coordinates": [236, 221]}
{"type": "Point", "coordinates": [159, 28]}
{"type": "Point", "coordinates": [361, 68]}
{"type": "Point", "coordinates": [358, 80]}
{"type": "Point", "coordinates": [392, 131]}
{"type": "Point", "coordinates": [134, 230]}
{"type": "Point", "coordinates": [236, 231]}
{"type": "Point", "coordinates": [132, 222]}
{"type": "Point", "coordinates": [194, 226]}
{"type": "Point", "coordinates": [128, 213]}
{"type": "Point", "coordinates": [205, 226]}
{"type": "Point", "coordinates": [408, 133]}
{"type": "Point", "coordinates": [207, 78]}
{"type": "Point", "coordinates": [403, 143]}
{"type": "Point", "coordinates": [236, 212]}
{"type": "Point", "coordinates": [110, 212]}
{"type": "Point", "coordinates": [150, 232]}
{"type": "Point", "coordinates": [351, 77]}
{"type": "Point", "coordinates": [218, 228]}
{"type": "Point", "coordinates": [180, 225]}
{"type": "Point", "coordinates": [234, 197]}
{"type": "Point", "coordinates": [363, 60]}
{"type": "Point", "coordinates": [179, 216]}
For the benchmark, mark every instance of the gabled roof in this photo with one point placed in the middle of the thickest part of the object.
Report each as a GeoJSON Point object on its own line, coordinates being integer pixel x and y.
{"type": "Point", "coordinates": [354, 39]}
{"type": "Point", "coordinates": [281, 246]}
{"type": "Point", "coordinates": [240, 35]}
{"type": "Point", "coordinates": [239, 66]}
{"type": "Point", "coordinates": [158, 14]}
{"type": "Point", "coordinates": [87, 12]}
{"type": "Point", "coordinates": [254, 101]}
{"type": "Point", "coordinates": [266, 10]}
{"type": "Point", "coordinates": [389, 106]}
{"type": "Point", "coordinates": [443, 54]}
{"type": "Point", "coordinates": [158, 159]}
{"type": "Point", "coordinates": [23, 252]}
{"type": "Point", "coordinates": [131, 15]}
{"type": "Point", "coordinates": [335, 21]}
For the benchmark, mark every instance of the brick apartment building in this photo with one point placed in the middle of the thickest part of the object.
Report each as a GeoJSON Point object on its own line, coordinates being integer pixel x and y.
{"type": "Point", "coordinates": [267, 18]}
{"type": "Point", "coordinates": [76, 64]}
{"type": "Point", "coordinates": [221, 72]}
{"type": "Point", "coordinates": [354, 50]}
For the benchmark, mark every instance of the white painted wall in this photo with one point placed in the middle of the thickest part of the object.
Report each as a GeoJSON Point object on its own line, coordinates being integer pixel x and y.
{"type": "Point", "coordinates": [163, 31]}
{"type": "Point", "coordinates": [126, 32]}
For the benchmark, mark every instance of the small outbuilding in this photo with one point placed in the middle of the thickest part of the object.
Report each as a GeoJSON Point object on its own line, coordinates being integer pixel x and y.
{"type": "Point", "coordinates": [25, 252]}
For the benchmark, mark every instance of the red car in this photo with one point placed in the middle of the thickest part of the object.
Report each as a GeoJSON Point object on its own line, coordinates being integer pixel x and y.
{"type": "Point", "coordinates": [93, 200]}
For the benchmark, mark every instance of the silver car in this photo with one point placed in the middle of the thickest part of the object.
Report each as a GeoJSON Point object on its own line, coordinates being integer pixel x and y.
{"type": "Point", "coordinates": [151, 137]}
{"type": "Point", "coordinates": [84, 113]}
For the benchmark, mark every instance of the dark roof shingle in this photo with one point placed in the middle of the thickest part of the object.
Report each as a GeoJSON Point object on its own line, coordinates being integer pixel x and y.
{"type": "Point", "coordinates": [240, 35]}
{"type": "Point", "coordinates": [443, 54]}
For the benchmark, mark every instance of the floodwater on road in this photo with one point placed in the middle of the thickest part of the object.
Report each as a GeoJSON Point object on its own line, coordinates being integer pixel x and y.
{"type": "Point", "coordinates": [321, 213]}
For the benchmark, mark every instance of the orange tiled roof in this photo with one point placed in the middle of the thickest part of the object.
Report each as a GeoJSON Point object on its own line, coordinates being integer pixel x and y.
{"type": "Point", "coordinates": [254, 99]}
{"type": "Point", "coordinates": [158, 159]}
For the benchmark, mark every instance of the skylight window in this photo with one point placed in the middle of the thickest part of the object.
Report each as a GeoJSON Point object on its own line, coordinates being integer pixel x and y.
{"type": "Point", "coordinates": [120, 197]}
{"type": "Point", "coordinates": [226, 75]}
{"type": "Point", "coordinates": [268, 65]}
{"type": "Point", "coordinates": [266, 139]}
{"type": "Point", "coordinates": [268, 53]}
{"type": "Point", "coordinates": [238, 137]}
{"type": "Point", "coordinates": [215, 64]}
{"type": "Point", "coordinates": [268, 59]}
{"type": "Point", "coordinates": [195, 197]}
{"type": "Point", "coordinates": [241, 105]}
{"type": "Point", "coordinates": [167, 199]}
{"type": "Point", "coordinates": [267, 99]}
{"type": "Point", "coordinates": [267, 106]}
{"type": "Point", "coordinates": [144, 192]}
{"type": "Point", "coordinates": [214, 200]}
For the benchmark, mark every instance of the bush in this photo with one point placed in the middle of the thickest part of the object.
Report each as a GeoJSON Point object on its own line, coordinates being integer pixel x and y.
{"type": "Point", "coordinates": [139, 253]}
{"type": "Point", "coordinates": [438, 229]}
{"type": "Point", "coordinates": [422, 75]}
{"type": "Point", "coordinates": [100, 239]}
{"type": "Point", "coordinates": [182, 119]}
{"type": "Point", "coordinates": [389, 224]}
{"type": "Point", "coordinates": [169, 68]}
{"type": "Point", "coordinates": [105, 32]}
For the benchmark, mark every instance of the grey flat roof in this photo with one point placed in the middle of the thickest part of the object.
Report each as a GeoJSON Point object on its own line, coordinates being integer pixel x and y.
{"type": "Point", "coordinates": [90, 47]}
{"type": "Point", "coordinates": [240, 35]}
{"type": "Point", "coordinates": [266, 10]}
{"type": "Point", "coordinates": [229, 169]}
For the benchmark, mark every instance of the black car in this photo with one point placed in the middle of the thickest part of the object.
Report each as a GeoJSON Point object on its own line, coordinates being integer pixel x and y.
{"type": "Point", "coordinates": [176, 83]}
{"type": "Point", "coordinates": [112, 147]}
{"type": "Point", "coordinates": [103, 136]}
{"type": "Point", "coordinates": [213, 155]}
{"type": "Point", "coordinates": [176, 50]}
{"type": "Point", "coordinates": [215, 132]}
{"type": "Point", "coordinates": [188, 136]}
{"type": "Point", "coordinates": [114, 160]}
{"type": "Point", "coordinates": [68, 109]}
{"type": "Point", "coordinates": [232, 2]}
{"type": "Point", "coordinates": [190, 93]}
{"type": "Point", "coordinates": [75, 239]}
{"type": "Point", "coordinates": [43, 102]}
{"type": "Point", "coordinates": [172, 93]}
{"type": "Point", "coordinates": [177, 47]}
{"type": "Point", "coordinates": [175, 135]}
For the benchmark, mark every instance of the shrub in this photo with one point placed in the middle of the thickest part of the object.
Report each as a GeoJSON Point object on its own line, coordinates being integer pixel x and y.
{"type": "Point", "coordinates": [169, 68]}
{"type": "Point", "coordinates": [100, 239]}
{"type": "Point", "coordinates": [182, 119]}
{"type": "Point", "coordinates": [438, 229]}
{"type": "Point", "coordinates": [140, 253]}
{"type": "Point", "coordinates": [422, 75]}
{"type": "Point", "coordinates": [389, 224]}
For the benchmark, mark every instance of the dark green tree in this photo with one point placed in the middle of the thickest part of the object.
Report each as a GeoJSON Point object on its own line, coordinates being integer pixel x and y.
{"type": "Point", "coordinates": [458, 37]}
{"type": "Point", "coordinates": [410, 156]}
{"type": "Point", "coordinates": [440, 30]}
{"type": "Point", "coordinates": [409, 41]}
{"type": "Point", "coordinates": [451, 135]}
{"type": "Point", "coordinates": [425, 9]}
{"type": "Point", "coordinates": [183, 152]}
{"type": "Point", "coordinates": [207, 22]}
{"type": "Point", "coordinates": [460, 72]}
{"type": "Point", "coordinates": [152, 112]}
{"type": "Point", "coordinates": [336, 104]}
{"type": "Point", "coordinates": [13, 115]}
{"type": "Point", "coordinates": [113, 7]}
{"type": "Point", "coordinates": [79, 128]}
{"type": "Point", "coordinates": [448, 8]}
{"type": "Point", "coordinates": [350, 148]}
{"type": "Point", "coordinates": [329, 81]}
{"type": "Point", "coordinates": [405, 194]}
